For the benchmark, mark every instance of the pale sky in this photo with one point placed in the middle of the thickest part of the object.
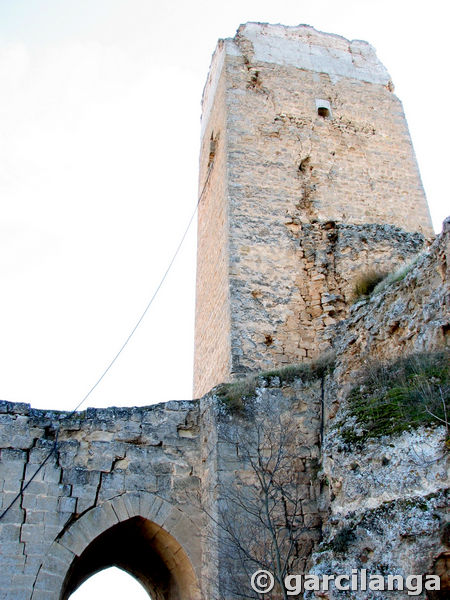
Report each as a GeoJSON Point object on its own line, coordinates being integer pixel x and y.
{"type": "Point", "coordinates": [99, 130]}
{"type": "Point", "coordinates": [99, 138]}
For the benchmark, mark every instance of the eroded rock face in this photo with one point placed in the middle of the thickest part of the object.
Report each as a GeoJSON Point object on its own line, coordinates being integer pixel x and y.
{"type": "Point", "coordinates": [407, 316]}
{"type": "Point", "coordinates": [379, 505]}
{"type": "Point", "coordinates": [388, 496]}
{"type": "Point", "coordinates": [402, 537]}
{"type": "Point", "coordinates": [382, 471]}
{"type": "Point", "coordinates": [295, 204]}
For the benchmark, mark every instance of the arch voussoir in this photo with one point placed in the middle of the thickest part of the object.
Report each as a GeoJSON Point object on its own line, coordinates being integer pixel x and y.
{"type": "Point", "coordinates": [156, 511]}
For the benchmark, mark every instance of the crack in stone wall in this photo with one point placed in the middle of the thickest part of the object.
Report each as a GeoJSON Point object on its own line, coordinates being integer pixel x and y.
{"type": "Point", "coordinates": [174, 453]}
{"type": "Point", "coordinates": [327, 198]}
{"type": "Point", "coordinates": [284, 173]}
{"type": "Point", "coordinates": [101, 454]}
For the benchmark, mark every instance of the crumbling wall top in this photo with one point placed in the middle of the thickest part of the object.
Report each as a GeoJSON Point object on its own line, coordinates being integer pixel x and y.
{"type": "Point", "coordinates": [304, 47]}
{"type": "Point", "coordinates": [299, 46]}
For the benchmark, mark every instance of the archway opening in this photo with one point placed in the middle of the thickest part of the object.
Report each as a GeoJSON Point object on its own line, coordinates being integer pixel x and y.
{"type": "Point", "coordinates": [111, 583]}
{"type": "Point", "coordinates": [144, 550]}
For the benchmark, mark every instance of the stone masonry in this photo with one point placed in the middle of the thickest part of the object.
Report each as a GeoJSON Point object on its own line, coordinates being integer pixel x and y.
{"type": "Point", "coordinates": [308, 178]}
{"type": "Point", "coordinates": [141, 488]}
{"type": "Point", "coordinates": [124, 470]}
{"type": "Point", "coordinates": [130, 487]}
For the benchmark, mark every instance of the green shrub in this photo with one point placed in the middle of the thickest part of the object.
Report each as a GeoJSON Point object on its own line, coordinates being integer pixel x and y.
{"type": "Point", "coordinates": [342, 540]}
{"type": "Point", "coordinates": [392, 398]}
{"type": "Point", "coordinates": [324, 364]}
{"type": "Point", "coordinates": [234, 395]}
{"type": "Point", "coordinates": [366, 284]}
{"type": "Point", "coordinates": [396, 276]}
{"type": "Point", "coordinates": [305, 371]}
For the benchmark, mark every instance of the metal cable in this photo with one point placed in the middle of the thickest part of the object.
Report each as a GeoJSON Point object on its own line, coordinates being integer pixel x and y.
{"type": "Point", "coordinates": [116, 356]}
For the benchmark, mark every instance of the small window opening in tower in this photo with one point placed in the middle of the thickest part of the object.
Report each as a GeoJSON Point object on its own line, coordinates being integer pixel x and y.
{"type": "Point", "coordinates": [323, 108]}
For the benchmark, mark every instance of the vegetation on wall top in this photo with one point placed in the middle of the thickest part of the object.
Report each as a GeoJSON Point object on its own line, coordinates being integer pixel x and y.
{"type": "Point", "coordinates": [234, 395]}
{"type": "Point", "coordinates": [393, 398]}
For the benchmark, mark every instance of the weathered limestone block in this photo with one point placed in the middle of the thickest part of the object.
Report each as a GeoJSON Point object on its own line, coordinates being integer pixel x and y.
{"type": "Point", "coordinates": [307, 180]}
{"type": "Point", "coordinates": [101, 455]}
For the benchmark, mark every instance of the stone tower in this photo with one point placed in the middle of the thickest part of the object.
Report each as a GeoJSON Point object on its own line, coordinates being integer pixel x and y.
{"type": "Point", "coordinates": [307, 179]}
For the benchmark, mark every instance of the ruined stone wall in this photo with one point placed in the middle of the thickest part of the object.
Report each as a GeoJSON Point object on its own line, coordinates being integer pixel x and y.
{"type": "Point", "coordinates": [330, 258]}
{"type": "Point", "coordinates": [157, 478]}
{"type": "Point", "coordinates": [110, 465]}
{"type": "Point", "coordinates": [238, 435]}
{"type": "Point", "coordinates": [140, 488]}
{"type": "Point", "coordinates": [355, 166]}
{"type": "Point", "coordinates": [291, 175]}
{"type": "Point", "coordinates": [407, 316]}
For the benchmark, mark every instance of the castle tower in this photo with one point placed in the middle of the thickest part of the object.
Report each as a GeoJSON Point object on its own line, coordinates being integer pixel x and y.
{"type": "Point", "coordinates": [308, 179]}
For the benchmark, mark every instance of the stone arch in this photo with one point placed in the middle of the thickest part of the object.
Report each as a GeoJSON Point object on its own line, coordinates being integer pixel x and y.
{"type": "Point", "coordinates": [137, 531]}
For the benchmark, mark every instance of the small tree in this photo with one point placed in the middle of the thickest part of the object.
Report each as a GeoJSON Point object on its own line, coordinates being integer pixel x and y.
{"type": "Point", "coordinates": [260, 518]}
